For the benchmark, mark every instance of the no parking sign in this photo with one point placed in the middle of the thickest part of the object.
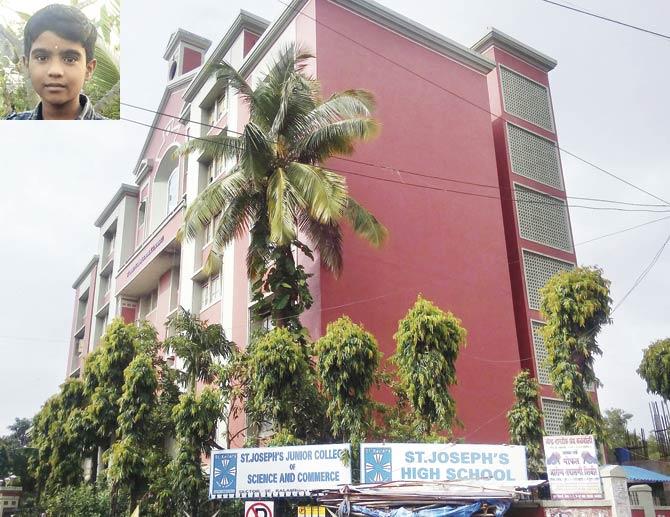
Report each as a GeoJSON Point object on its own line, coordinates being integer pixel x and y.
{"type": "Point", "coordinates": [259, 509]}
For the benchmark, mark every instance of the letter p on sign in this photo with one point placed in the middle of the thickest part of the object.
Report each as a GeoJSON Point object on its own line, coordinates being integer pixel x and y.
{"type": "Point", "coordinates": [259, 509]}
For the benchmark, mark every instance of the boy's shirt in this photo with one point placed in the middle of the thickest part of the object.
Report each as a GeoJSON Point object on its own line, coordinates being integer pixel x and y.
{"type": "Point", "coordinates": [85, 113]}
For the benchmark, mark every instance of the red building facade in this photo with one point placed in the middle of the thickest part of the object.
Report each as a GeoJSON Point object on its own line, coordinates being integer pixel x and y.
{"type": "Point", "coordinates": [465, 175]}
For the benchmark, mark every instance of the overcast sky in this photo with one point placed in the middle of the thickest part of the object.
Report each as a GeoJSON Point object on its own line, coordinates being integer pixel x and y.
{"type": "Point", "coordinates": [610, 98]}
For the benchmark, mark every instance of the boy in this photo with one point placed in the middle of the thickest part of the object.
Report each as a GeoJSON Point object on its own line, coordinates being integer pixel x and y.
{"type": "Point", "coordinates": [59, 42]}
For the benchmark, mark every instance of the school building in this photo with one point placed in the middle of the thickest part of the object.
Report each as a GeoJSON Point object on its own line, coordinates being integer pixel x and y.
{"type": "Point", "coordinates": [466, 176]}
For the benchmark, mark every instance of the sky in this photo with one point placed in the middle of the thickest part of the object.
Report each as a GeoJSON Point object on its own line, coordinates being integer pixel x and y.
{"type": "Point", "coordinates": [609, 93]}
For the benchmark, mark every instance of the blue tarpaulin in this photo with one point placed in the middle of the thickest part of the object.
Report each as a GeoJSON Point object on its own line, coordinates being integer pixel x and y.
{"type": "Point", "coordinates": [501, 506]}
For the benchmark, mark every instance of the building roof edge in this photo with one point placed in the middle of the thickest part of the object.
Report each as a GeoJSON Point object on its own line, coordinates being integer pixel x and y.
{"type": "Point", "coordinates": [244, 21]}
{"type": "Point", "coordinates": [419, 33]}
{"type": "Point", "coordinates": [91, 264]}
{"type": "Point", "coordinates": [516, 48]}
{"type": "Point", "coordinates": [187, 37]}
{"type": "Point", "coordinates": [124, 190]}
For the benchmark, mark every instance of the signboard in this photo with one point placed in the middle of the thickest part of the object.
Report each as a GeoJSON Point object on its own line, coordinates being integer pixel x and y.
{"type": "Point", "coordinates": [572, 467]}
{"type": "Point", "coordinates": [505, 464]}
{"type": "Point", "coordinates": [259, 509]}
{"type": "Point", "coordinates": [277, 471]}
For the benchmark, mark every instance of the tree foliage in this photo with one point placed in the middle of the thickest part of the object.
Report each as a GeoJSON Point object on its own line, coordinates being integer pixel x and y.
{"type": "Point", "coordinates": [525, 421]}
{"type": "Point", "coordinates": [278, 187]}
{"type": "Point", "coordinates": [655, 368]}
{"type": "Point", "coordinates": [575, 305]}
{"type": "Point", "coordinates": [280, 385]}
{"type": "Point", "coordinates": [348, 358]}
{"type": "Point", "coordinates": [428, 341]}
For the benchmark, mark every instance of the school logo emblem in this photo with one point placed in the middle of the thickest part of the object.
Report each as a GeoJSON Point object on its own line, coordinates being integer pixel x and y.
{"type": "Point", "coordinates": [225, 473]}
{"type": "Point", "coordinates": [377, 464]}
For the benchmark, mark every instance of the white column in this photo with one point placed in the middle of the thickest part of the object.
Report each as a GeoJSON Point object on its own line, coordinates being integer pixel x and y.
{"type": "Point", "coordinates": [615, 490]}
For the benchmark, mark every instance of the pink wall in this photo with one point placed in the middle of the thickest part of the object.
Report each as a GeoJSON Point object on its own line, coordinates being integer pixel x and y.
{"type": "Point", "coordinates": [449, 247]}
{"type": "Point", "coordinates": [250, 40]}
{"type": "Point", "coordinates": [192, 59]}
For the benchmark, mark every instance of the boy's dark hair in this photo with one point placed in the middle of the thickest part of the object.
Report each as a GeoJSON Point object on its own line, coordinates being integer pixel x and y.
{"type": "Point", "coordinates": [66, 21]}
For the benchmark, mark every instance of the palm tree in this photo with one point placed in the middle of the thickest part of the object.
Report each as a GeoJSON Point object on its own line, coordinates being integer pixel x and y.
{"type": "Point", "coordinates": [279, 188]}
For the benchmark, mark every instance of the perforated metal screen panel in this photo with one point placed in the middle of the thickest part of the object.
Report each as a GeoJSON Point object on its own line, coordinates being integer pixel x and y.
{"type": "Point", "coordinates": [542, 218]}
{"type": "Point", "coordinates": [534, 157]}
{"type": "Point", "coordinates": [538, 269]}
{"type": "Point", "coordinates": [526, 99]}
{"type": "Point", "coordinates": [553, 411]}
{"type": "Point", "coordinates": [540, 353]}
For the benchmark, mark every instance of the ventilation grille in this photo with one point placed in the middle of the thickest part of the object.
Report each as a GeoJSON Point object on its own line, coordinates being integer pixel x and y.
{"type": "Point", "coordinates": [538, 270]}
{"type": "Point", "coordinates": [526, 99]}
{"type": "Point", "coordinates": [553, 411]}
{"type": "Point", "coordinates": [542, 218]}
{"type": "Point", "coordinates": [534, 157]}
{"type": "Point", "coordinates": [540, 353]}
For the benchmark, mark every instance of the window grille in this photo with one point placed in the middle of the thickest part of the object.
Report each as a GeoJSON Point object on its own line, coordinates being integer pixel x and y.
{"type": "Point", "coordinates": [538, 270]}
{"type": "Point", "coordinates": [542, 218]}
{"type": "Point", "coordinates": [534, 157]}
{"type": "Point", "coordinates": [553, 411]}
{"type": "Point", "coordinates": [540, 353]}
{"type": "Point", "coordinates": [526, 99]}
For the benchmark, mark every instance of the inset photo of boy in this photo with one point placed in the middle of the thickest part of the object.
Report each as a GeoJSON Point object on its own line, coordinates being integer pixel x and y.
{"type": "Point", "coordinates": [59, 62]}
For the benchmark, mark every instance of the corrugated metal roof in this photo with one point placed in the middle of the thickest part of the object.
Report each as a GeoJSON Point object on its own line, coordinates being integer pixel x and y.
{"type": "Point", "coordinates": [640, 474]}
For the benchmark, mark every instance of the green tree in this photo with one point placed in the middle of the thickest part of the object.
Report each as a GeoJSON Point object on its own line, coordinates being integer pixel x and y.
{"type": "Point", "coordinates": [428, 341]}
{"type": "Point", "coordinates": [616, 430]}
{"type": "Point", "coordinates": [348, 358]}
{"type": "Point", "coordinates": [14, 452]}
{"type": "Point", "coordinates": [575, 305]}
{"type": "Point", "coordinates": [655, 368]}
{"type": "Point", "coordinates": [201, 348]}
{"type": "Point", "coordinates": [278, 186]}
{"type": "Point", "coordinates": [280, 387]}
{"type": "Point", "coordinates": [525, 421]}
{"type": "Point", "coordinates": [135, 446]}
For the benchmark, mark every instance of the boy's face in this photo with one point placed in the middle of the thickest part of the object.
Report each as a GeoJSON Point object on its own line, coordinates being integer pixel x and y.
{"type": "Point", "coordinates": [58, 68]}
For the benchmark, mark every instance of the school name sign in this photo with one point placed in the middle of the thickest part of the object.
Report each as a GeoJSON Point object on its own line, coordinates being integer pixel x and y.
{"type": "Point", "coordinates": [442, 462]}
{"type": "Point", "coordinates": [277, 471]}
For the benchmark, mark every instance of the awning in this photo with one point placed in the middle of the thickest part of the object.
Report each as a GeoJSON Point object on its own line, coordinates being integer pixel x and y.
{"type": "Point", "coordinates": [640, 475]}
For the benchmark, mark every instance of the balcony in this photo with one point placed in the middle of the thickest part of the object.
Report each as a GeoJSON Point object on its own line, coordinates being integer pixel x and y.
{"type": "Point", "coordinates": [159, 253]}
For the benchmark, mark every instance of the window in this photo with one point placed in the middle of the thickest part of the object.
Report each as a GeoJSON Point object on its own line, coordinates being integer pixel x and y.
{"type": "Point", "coordinates": [210, 291]}
{"type": "Point", "coordinates": [108, 245]}
{"type": "Point", "coordinates": [211, 227]}
{"type": "Point", "coordinates": [173, 191]}
{"type": "Point", "coordinates": [219, 109]}
{"type": "Point", "coordinates": [104, 284]}
{"type": "Point", "coordinates": [218, 166]}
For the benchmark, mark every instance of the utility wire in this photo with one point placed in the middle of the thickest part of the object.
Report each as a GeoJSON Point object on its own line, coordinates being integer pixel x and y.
{"type": "Point", "coordinates": [623, 230]}
{"type": "Point", "coordinates": [644, 273]}
{"type": "Point", "coordinates": [605, 18]}
{"type": "Point", "coordinates": [466, 100]}
{"type": "Point", "coordinates": [440, 189]}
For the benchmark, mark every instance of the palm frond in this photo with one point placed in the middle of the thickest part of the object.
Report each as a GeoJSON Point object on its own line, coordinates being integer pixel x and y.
{"type": "Point", "coordinates": [212, 201]}
{"type": "Point", "coordinates": [365, 224]}
{"type": "Point", "coordinates": [235, 218]}
{"type": "Point", "coordinates": [213, 263]}
{"type": "Point", "coordinates": [323, 193]}
{"type": "Point", "coordinates": [327, 239]}
{"type": "Point", "coordinates": [259, 152]}
{"type": "Point", "coordinates": [215, 146]}
{"type": "Point", "coordinates": [341, 106]}
{"type": "Point", "coordinates": [336, 139]}
{"type": "Point", "coordinates": [233, 78]}
{"type": "Point", "coordinates": [280, 209]}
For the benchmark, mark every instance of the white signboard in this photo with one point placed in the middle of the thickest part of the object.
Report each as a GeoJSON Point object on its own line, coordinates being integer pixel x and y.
{"type": "Point", "coordinates": [505, 464]}
{"type": "Point", "coordinates": [572, 467]}
{"type": "Point", "coordinates": [277, 471]}
{"type": "Point", "coordinates": [259, 509]}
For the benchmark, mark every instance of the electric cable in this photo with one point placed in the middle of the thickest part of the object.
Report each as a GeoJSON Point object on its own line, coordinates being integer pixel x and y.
{"type": "Point", "coordinates": [391, 168]}
{"type": "Point", "coordinates": [611, 20]}
{"type": "Point", "coordinates": [429, 187]}
{"type": "Point", "coordinates": [464, 99]}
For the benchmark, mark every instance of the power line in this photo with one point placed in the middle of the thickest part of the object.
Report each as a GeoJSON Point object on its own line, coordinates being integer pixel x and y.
{"type": "Point", "coordinates": [468, 101]}
{"type": "Point", "coordinates": [396, 169]}
{"type": "Point", "coordinates": [605, 18]}
{"type": "Point", "coordinates": [623, 230]}
{"type": "Point", "coordinates": [644, 273]}
{"type": "Point", "coordinates": [434, 188]}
